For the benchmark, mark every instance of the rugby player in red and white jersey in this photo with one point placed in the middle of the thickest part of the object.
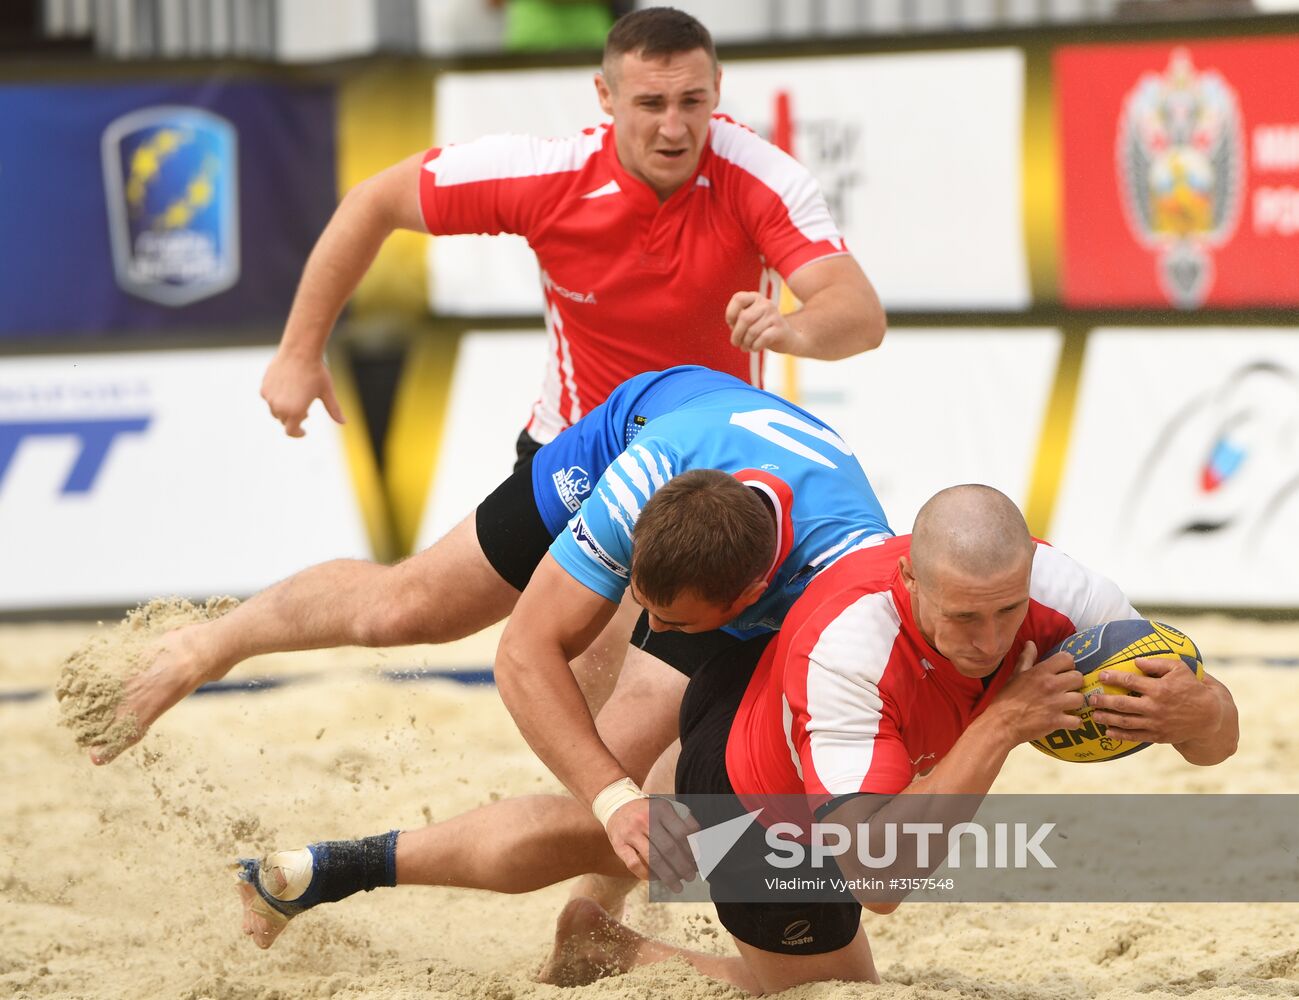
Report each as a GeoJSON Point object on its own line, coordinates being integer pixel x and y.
{"type": "Point", "coordinates": [909, 668]}
{"type": "Point", "coordinates": [663, 238]}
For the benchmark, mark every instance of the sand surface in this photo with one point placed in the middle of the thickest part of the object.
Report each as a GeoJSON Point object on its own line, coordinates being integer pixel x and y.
{"type": "Point", "coordinates": [114, 882]}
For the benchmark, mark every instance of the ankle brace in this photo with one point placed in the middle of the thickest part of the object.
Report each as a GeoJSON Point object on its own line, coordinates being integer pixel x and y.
{"type": "Point", "coordinates": [337, 869]}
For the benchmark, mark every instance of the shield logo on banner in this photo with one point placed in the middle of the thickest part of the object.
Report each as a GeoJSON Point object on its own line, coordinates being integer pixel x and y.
{"type": "Point", "coordinates": [1181, 167]}
{"type": "Point", "coordinates": [171, 175]}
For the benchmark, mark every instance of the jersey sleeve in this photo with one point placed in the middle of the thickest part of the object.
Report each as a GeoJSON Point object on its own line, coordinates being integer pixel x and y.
{"type": "Point", "coordinates": [595, 547]}
{"type": "Point", "coordinates": [1081, 595]}
{"type": "Point", "coordinates": [846, 727]}
{"type": "Point", "coordinates": [778, 200]}
{"type": "Point", "coordinates": [495, 184]}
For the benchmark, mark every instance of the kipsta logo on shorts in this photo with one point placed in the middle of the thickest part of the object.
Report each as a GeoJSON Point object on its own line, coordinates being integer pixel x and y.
{"type": "Point", "coordinates": [171, 177]}
{"type": "Point", "coordinates": [1180, 165]}
{"type": "Point", "coordinates": [572, 484]}
{"type": "Point", "coordinates": [799, 932]}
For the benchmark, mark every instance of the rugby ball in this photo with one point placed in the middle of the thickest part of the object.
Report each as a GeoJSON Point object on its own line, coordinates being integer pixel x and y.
{"type": "Point", "coordinates": [1113, 646]}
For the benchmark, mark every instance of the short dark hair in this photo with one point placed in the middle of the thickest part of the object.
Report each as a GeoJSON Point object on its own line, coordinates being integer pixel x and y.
{"type": "Point", "coordinates": [703, 531]}
{"type": "Point", "coordinates": [656, 33]}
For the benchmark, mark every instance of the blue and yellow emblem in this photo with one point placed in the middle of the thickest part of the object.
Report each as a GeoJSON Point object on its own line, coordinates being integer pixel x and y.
{"type": "Point", "coordinates": [171, 174]}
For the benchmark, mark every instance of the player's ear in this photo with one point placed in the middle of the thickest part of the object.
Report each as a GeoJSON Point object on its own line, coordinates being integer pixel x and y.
{"type": "Point", "coordinates": [908, 573]}
{"type": "Point", "coordinates": [603, 93]}
{"type": "Point", "coordinates": [749, 595]}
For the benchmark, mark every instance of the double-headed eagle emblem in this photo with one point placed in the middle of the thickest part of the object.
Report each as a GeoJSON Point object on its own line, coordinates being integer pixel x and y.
{"type": "Point", "coordinates": [1181, 171]}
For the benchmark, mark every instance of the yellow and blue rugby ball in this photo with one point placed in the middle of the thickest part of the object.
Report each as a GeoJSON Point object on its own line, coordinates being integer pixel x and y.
{"type": "Point", "coordinates": [1113, 646]}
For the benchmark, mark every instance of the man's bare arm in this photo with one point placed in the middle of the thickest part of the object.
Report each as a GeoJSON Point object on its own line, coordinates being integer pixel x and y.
{"type": "Point", "coordinates": [840, 316]}
{"type": "Point", "coordinates": [363, 220]}
{"type": "Point", "coordinates": [555, 620]}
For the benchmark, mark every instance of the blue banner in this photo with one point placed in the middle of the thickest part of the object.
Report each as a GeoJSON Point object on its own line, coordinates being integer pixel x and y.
{"type": "Point", "coordinates": [129, 207]}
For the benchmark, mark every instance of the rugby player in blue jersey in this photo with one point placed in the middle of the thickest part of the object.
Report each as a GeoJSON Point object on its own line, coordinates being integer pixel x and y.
{"type": "Point", "coordinates": [729, 553]}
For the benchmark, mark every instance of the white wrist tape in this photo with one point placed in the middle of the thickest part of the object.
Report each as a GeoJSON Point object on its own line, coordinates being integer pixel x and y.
{"type": "Point", "coordinates": [614, 797]}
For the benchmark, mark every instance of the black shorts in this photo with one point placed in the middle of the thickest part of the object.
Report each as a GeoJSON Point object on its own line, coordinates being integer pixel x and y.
{"type": "Point", "coordinates": [525, 447]}
{"type": "Point", "coordinates": [510, 530]}
{"type": "Point", "coordinates": [707, 711]}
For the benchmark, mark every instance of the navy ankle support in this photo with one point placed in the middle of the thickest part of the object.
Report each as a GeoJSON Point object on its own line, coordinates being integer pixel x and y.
{"type": "Point", "coordinates": [340, 868]}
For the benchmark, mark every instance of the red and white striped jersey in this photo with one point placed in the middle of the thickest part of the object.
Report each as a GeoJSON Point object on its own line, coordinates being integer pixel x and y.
{"type": "Point", "coordinates": [851, 698]}
{"type": "Point", "coordinates": [632, 285]}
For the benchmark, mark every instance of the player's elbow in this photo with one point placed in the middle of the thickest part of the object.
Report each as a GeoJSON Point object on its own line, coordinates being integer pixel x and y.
{"type": "Point", "coordinates": [869, 326]}
{"type": "Point", "coordinates": [370, 204]}
{"type": "Point", "coordinates": [509, 657]}
{"type": "Point", "coordinates": [876, 327]}
{"type": "Point", "coordinates": [881, 908]}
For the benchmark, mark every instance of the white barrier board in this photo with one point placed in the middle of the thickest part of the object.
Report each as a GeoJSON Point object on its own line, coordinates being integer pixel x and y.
{"type": "Point", "coordinates": [1183, 476]}
{"type": "Point", "coordinates": [933, 408]}
{"type": "Point", "coordinates": [918, 155]}
{"type": "Point", "coordinates": [930, 409]}
{"type": "Point", "coordinates": [492, 391]}
{"type": "Point", "coordinates": [132, 475]}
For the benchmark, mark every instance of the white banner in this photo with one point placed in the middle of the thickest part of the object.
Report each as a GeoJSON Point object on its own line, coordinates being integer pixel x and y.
{"type": "Point", "coordinates": [929, 409]}
{"type": "Point", "coordinates": [1183, 477]}
{"type": "Point", "coordinates": [918, 156]}
{"type": "Point", "coordinates": [496, 379]}
{"type": "Point", "coordinates": [133, 475]}
{"type": "Point", "coordinates": [934, 408]}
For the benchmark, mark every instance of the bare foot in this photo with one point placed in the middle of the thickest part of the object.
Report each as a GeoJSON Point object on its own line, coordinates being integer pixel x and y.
{"type": "Point", "coordinates": [176, 669]}
{"type": "Point", "coordinates": [610, 891]}
{"type": "Point", "coordinates": [262, 924]}
{"type": "Point", "coordinates": [589, 945]}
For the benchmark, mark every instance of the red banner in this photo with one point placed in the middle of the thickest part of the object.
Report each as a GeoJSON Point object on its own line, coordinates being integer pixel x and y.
{"type": "Point", "coordinates": [1181, 173]}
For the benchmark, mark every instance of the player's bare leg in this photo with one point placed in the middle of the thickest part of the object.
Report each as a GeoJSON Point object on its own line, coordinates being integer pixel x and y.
{"type": "Point", "coordinates": [521, 844]}
{"type": "Point", "coordinates": [512, 846]}
{"type": "Point", "coordinates": [590, 945]}
{"type": "Point", "coordinates": [446, 592]}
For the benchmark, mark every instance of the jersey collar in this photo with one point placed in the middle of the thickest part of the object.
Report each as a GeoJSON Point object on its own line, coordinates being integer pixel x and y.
{"type": "Point", "coordinates": [640, 192]}
{"type": "Point", "coordinates": [781, 497]}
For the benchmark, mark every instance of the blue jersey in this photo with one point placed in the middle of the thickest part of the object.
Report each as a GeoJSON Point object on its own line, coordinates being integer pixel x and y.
{"type": "Point", "coordinates": [598, 474]}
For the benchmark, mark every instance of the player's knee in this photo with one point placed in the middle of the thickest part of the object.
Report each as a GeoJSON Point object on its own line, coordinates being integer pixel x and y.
{"type": "Point", "coordinates": [403, 613]}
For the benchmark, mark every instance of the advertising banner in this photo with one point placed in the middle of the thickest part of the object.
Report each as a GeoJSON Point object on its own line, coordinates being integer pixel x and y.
{"type": "Point", "coordinates": [935, 408]}
{"type": "Point", "coordinates": [918, 156]}
{"type": "Point", "coordinates": [497, 376]}
{"type": "Point", "coordinates": [1182, 482]}
{"type": "Point", "coordinates": [1180, 167]}
{"type": "Point", "coordinates": [134, 475]}
{"type": "Point", "coordinates": [885, 405]}
{"type": "Point", "coordinates": [162, 206]}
